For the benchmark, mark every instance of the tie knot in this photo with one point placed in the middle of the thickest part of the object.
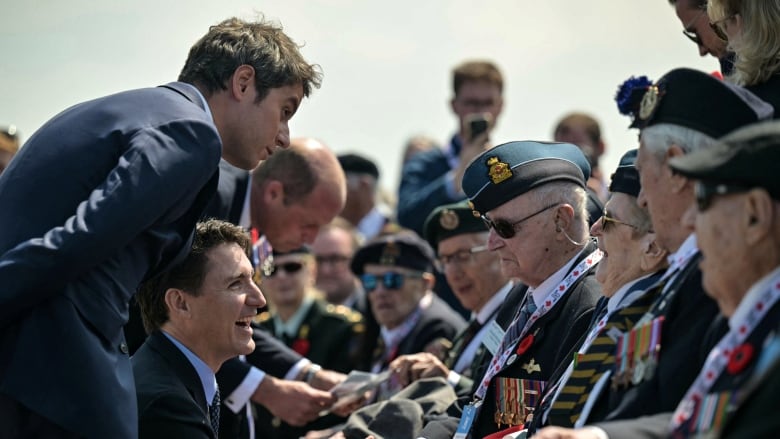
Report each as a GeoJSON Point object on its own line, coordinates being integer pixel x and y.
{"type": "Point", "coordinates": [530, 306]}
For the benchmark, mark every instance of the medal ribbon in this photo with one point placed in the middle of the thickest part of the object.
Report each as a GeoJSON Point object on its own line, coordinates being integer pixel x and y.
{"type": "Point", "coordinates": [507, 347]}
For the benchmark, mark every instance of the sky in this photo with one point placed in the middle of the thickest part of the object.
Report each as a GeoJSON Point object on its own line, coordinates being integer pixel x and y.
{"type": "Point", "coordinates": [387, 65]}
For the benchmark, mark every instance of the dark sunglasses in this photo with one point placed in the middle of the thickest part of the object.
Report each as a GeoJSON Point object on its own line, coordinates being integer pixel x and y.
{"type": "Point", "coordinates": [606, 220]}
{"type": "Point", "coordinates": [506, 229]}
{"type": "Point", "coordinates": [704, 193]}
{"type": "Point", "coordinates": [391, 280]}
{"type": "Point", "coordinates": [287, 267]}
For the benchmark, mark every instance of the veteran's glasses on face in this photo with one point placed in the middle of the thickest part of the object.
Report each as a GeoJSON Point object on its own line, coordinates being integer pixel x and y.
{"type": "Point", "coordinates": [459, 257]}
{"type": "Point", "coordinates": [606, 220]}
{"type": "Point", "coordinates": [506, 229]}
{"type": "Point", "coordinates": [331, 259]}
{"type": "Point", "coordinates": [692, 34]}
{"type": "Point", "coordinates": [718, 26]}
{"type": "Point", "coordinates": [287, 267]}
{"type": "Point", "coordinates": [704, 193]}
{"type": "Point", "coordinates": [391, 280]}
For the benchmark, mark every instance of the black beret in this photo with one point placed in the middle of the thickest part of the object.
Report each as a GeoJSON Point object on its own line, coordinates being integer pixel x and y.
{"type": "Point", "coordinates": [626, 178]}
{"type": "Point", "coordinates": [304, 249]}
{"type": "Point", "coordinates": [747, 157]}
{"type": "Point", "coordinates": [354, 163]}
{"type": "Point", "coordinates": [402, 249]}
{"type": "Point", "coordinates": [451, 220]}
{"type": "Point", "coordinates": [512, 169]}
{"type": "Point", "coordinates": [691, 99]}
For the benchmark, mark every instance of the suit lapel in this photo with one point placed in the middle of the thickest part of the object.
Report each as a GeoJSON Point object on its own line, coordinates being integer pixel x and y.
{"type": "Point", "coordinates": [184, 369]}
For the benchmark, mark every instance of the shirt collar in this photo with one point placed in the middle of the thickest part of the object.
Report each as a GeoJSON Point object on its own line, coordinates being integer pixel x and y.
{"type": "Point", "coordinates": [206, 375]}
{"type": "Point", "coordinates": [371, 224]}
{"type": "Point", "coordinates": [290, 327]}
{"type": "Point", "coordinates": [489, 308]}
{"type": "Point", "coordinates": [202, 99]}
{"type": "Point", "coordinates": [751, 297]}
{"type": "Point", "coordinates": [621, 296]}
{"type": "Point", "coordinates": [540, 293]}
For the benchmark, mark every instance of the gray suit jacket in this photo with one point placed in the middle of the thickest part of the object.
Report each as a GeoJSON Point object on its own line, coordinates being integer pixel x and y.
{"type": "Point", "coordinates": [104, 195]}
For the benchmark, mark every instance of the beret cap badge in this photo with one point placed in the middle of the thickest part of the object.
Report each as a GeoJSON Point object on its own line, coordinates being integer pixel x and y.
{"type": "Point", "coordinates": [390, 254]}
{"type": "Point", "coordinates": [498, 170]}
{"type": "Point", "coordinates": [449, 220]}
{"type": "Point", "coordinates": [649, 103]}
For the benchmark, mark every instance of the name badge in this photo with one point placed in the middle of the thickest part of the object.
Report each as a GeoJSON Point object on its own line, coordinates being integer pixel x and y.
{"type": "Point", "coordinates": [493, 337]}
{"type": "Point", "coordinates": [467, 419]}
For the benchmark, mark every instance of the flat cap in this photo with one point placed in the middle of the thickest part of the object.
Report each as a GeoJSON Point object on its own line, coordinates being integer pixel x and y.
{"type": "Point", "coordinates": [691, 99]}
{"type": "Point", "coordinates": [512, 169]}
{"type": "Point", "coordinates": [747, 157]}
{"type": "Point", "coordinates": [358, 164]}
{"type": "Point", "coordinates": [626, 178]}
{"type": "Point", "coordinates": [402, 249]}
{"type": "Point", "coordinates": [451, 220]}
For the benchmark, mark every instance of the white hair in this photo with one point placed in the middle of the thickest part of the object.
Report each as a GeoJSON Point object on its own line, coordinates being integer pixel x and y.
{"type": "Point", "coordinates": [658, 138]}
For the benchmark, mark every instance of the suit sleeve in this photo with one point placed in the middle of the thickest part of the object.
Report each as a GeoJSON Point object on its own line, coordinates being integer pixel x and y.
{"type": "Point", "coordinates": [163, 168]}
{"type": "Point", "coordinates": [647, 427]}
{"type": "Point", "coordinates": [172, 416]}
{"type": "Point", "coordinates": [424, 187]}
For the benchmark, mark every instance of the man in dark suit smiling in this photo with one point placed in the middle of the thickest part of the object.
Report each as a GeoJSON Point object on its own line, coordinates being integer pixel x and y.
{"type": "Point", "coordinates": [119, 183]}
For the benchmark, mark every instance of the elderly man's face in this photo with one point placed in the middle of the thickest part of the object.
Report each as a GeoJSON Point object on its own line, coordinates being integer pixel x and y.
{"type": "Point", "coordinates": [724, 251]}
{"type": "Point", "coordinates": [392, 306]}
{"type": "Point", "coordinates": [333, 250]}
{"type": "Point", "coordinates": [621, 244]}
{"type": "Point", "coordinates": [292, 274]}
{"type": "Point", "coordinates": [656, 195]}
{"type": "Point", "coordinates": [532, 236]}
{"type": "Point", "coordinates": [473, 276]}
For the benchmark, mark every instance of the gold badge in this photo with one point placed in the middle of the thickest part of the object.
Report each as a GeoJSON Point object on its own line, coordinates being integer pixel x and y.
{"type": "Point", "coordinates": [390, 254]}
{"type": "Point", "coordinates": [498, 170]}
{"type": "Point", "coordinates": [649, 102]}
{"type": "Point", "coordinates": [474, 211]}
{"type": "Point", "coordinates": [449, 219]}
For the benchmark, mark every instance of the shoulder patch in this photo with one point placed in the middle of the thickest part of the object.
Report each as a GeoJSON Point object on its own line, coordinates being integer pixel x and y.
{"type": "Point", "coordinates": [346, 312]}
{"type": "Point", "coordinates": [262, 317]}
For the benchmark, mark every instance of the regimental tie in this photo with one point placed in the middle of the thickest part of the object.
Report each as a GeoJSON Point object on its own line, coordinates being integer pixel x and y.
{"type": "Point", "coordinates": [700, 410]}
{"type": "Point", "coordinates": [522, 323]}
{"type": "Point", "coordinates": [214, 412]}
{"type": "Point", "coordinates": [461, 342]}
{"type": "Point", "coordinates": [597, 359]}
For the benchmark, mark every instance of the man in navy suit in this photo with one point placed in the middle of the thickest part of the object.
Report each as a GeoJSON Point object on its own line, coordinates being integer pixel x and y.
{"type": "Point", "coordinates": [198, 315]}
{"type": "Point", "coordinates": [118, 184]}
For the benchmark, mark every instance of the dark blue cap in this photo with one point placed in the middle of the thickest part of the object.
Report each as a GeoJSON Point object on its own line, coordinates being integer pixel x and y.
{"type": "Point", "coordinates": [626, 178]}
{"type": "Point", "coordinates": [512, 169]}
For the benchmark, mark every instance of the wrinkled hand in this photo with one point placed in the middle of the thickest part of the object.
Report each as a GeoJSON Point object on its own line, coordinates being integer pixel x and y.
{"type": "Point", "coordinates": [565, 433]}
{"type": "Point", "coordinates": [410, 368]}
{"type": "Point", "coordinates": [294, 402]}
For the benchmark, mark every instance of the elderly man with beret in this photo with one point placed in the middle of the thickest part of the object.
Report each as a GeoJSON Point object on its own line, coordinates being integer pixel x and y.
{"type": "Point", "coordinates": [683, 112]}
{"type": "Point", "coordinates": [532, 196]}
{"type": "Point", "coordinates": [397, 274]}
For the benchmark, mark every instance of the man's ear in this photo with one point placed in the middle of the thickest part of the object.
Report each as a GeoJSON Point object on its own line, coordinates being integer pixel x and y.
{"type": "Point", "coordinates": [653, 256]}
{"type": "Point", "coordinates": [176, 301]}
{"type": "Point", "coordinates": [430, 280]}
{"type": "Point", "coordinates": [242, 82]}
{"type": "Point", "coordinates": [758, 213]}
{"type": "Point", "coordinates": [273, 192]}
{"type": "Point", "coordinates": [678, 181]}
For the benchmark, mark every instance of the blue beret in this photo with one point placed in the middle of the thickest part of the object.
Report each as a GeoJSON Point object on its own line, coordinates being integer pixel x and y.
{"type": "Point", "coordinates": [512, 169]}
{"type": "Point", "coordinates": [451, 220]}
{"type": "Point", "coordinates": [626, 178]}
{"type": "Point", "coordinates": [691, 99]}
{"type": "Point", "coordinates": [402, 249]}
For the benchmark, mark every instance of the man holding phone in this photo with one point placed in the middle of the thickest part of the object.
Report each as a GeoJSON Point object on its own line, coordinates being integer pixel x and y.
{"type": "Point", "coordinates": [432, 178]}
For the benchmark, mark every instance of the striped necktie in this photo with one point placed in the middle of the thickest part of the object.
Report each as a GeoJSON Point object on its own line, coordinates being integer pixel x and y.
{"type": "Point", "coordinates": [461, 342]}
{"type": "Point", "coordinates": [598, 358]}
{"type": "Point", "coordinates": [214, 412]}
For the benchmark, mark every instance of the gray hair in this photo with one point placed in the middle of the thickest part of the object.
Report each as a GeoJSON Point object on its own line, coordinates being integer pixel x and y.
{"type": "Point", "coordinates": [568, 193]}
{"type": "Point", "coordinates": [658, 138]}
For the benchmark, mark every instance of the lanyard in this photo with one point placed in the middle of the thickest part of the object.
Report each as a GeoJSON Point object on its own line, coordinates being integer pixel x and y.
{"type": "Point", "coordinates": [508, 346]}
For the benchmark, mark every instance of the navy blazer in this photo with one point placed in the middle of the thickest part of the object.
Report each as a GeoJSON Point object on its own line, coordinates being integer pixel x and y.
{"type": "Point", "coordinates": [104, 195]}
{"type": "Point", "coordinates": [171, 401]}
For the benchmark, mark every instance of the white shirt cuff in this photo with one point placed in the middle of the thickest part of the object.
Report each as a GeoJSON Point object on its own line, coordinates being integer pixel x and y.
{"type": "Point", "coordinates": [453, 378]}
{"type": "Point", "coordinates": [294, 371]}
{"type": "Point", "coordinates": [237, 400]}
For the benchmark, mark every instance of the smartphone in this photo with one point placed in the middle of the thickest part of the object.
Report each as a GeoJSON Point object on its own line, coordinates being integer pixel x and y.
{"type": "Point", "coordinates": [478, 124]}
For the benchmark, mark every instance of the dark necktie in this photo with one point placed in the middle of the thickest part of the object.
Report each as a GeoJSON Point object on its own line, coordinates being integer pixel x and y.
{"type": "Point", "coordinates": [214, 412]}
{"type": "Point", "coordinates": [462, 342]}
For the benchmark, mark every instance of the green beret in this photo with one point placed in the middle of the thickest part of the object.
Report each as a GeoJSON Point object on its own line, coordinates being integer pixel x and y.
{"type": "Point", "coordinates": [451, 220]}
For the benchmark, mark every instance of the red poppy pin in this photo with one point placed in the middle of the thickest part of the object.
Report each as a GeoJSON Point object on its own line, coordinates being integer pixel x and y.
{"type": "Point", "coordinates": [301, 346]}
{"type": "Point", "coordinates": [740, 357]}
{"type": "Point", "coordinates": [524, 344]}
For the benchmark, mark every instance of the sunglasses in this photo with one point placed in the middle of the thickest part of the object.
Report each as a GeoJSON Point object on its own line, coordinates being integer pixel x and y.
{"type": "Point", "coordinates": [606, 220]}
{"type": "Point", "coordinates": [692, 35]}
{"type": "Point", "coordinates": [287, 267]}
{"type": "Point", "coordinates": [391, 280]}
{"type": "Point", "coordinates": [704, 193]}
{"type": "Point", "coordinates": [506, 229]}
{"type": "Point", "coordinates": [717, 27]}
